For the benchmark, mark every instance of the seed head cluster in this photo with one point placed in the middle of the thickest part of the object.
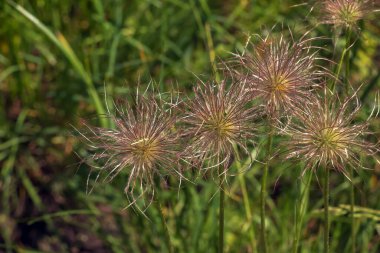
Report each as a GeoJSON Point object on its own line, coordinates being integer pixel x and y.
{"type": "Point", "coordinates": [281, 73]}
{"type": "Point", "coordinates": [151, 140]}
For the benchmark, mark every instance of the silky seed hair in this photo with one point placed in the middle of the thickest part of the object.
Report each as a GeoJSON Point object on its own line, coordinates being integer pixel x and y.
{"type": "Point", "coordinates": [144, 144]}
{"type": "Point", "coordinates": [325, 134]}
{"type": "Point", "coordinates": [279, 72]}
{"type": "Point", "coordinates": [345, 13]}
{"type": "Point", "coordinates": [218, 119]}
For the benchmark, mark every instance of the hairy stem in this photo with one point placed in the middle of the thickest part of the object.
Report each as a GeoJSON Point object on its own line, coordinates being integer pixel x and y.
{"type": "Point", "coordinates": [337, 74]}
{"type": "Point", "coordinates": [163, 223]}
{"type": "Point", "coordinates": [221, 215]}
{"type": "Point", "coordinates": [352, 190]}
{"type": "Point", "coordinates": [353, 227]}
{"type": "Point", "coordinates": [301, 210]}
{"type": "Point", "coordinates": [247, 207]}
{"type": "Point", "coordinates": [347, 63]}
{"type": "Point", "coordinates": [264, 191]}
{"type": "Point", "coordinates": [344, 58]}
{"type": "Point", "coordinates": [326, 194]}
{"type": "Point", "coordinates": [248, 211]}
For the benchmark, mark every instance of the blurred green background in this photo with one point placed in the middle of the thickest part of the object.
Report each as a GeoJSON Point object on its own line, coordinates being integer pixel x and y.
{"type": "Point", "coordinates": [57, 60]}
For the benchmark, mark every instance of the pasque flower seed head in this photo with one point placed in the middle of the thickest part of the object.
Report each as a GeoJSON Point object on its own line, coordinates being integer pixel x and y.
{"type": "Point", "coordinates": [218, 118]}
{"type": "Point", "coordinates": [323, 133]}
{"type": "Point", "coordinates": [143, 143]}
{"type": "Point", "coordinates": [345, 13]}
{"type": "Point", "coordinates": [281, 73]}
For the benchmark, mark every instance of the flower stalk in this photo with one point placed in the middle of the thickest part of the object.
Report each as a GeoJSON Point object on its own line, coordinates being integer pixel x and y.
{"type": "Point", "coordinates": [248, 211]}
{"type": "Point", "coordinates": [352, 189]}
{"type": "Point", "coordinates": [347, 63]}
{"type": "Point", "coordinates": [352, 200]}
{"type": "Point", "coordinates": [263, 192]}
{"type": "Point", "coordinates": [326, 193]}
{"type": "Point", "coordinates": [164, 224]}
{"type": "Point", "coordinates": [301, 210]}
{"type": "Point", "coordinates": [221, 215]}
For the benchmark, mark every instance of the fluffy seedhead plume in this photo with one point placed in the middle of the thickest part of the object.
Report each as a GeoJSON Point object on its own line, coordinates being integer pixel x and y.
{"type": "Point", "coordinates": [324, 134]}
{"type": "Point", "coordinates": [346, 13]}
{"type": "Point", "coordinates": [218, 119]}
{"type": "Point", "coordinates": [280, 72]}
{"type": "Point", "coordinates": [143, 143]}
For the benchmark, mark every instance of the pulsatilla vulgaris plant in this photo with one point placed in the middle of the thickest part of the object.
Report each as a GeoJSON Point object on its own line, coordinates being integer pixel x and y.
{"type": "Point", "coordinates": [144, 143]}
{"type": "Point", "coordinates": [281, 73]}
{"type": "Point", "coordinates": [324, 135]}
{"type": "Point", "coordinates": [218, 118]}
{"type": "Point", "coordinates": [346, 13]}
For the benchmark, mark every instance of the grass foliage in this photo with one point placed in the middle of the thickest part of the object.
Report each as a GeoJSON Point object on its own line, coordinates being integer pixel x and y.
{"type": "Point", "coordinates": [58, 59]}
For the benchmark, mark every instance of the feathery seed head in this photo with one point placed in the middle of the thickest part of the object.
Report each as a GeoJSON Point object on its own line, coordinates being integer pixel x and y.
{"type": "Point", "coordinates": [281, 73]}
{"type": "Point", "coordinates": [346, 13]}
{"type": "Point", "coordinates": [323, 134]}
{"type": "Point", "coordinates": [143, 143]}
{"type": "Point", "coordinates": [218, 119]}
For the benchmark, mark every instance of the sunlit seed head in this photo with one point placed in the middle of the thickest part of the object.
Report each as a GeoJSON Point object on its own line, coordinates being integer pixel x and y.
{"type": "Point", "coordinates": [144, 144]}
{"type": "Point", "coordinates": [218, 118]}
{"type": "Point", "coordinates": [146, 151]}
{"type": "Point", "coordinates": [331, 140]}
{"type": "Point", "coordinates": [346, 13]}
{"type": "Point", "coordinates": [325, 135]}
{"type": "Point", "coordinates": [281, 73]}
{"type": "Point", "coordinates": [220, 125]}
{"type": "Point", "coordinates": [280, 84]}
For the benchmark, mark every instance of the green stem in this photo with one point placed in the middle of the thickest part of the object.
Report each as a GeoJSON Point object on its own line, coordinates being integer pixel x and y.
{"type": "Point", "coordinates": [163, 223]}
{"type": "Point", "coordinates": [345, 57]}
{"type": "Point", "coordinates": [353, 227]}
{"type": "Point", "coordinates": [248, 211]}
{"type": "Point", "coordinates": [339, 69]}
{"type": "Point", "coordinates": [264, 191]}
{"type": "Point", "coordinates": [326, 207]}
{"type": "Point", "coordinates": [347, 63]}
{"type": "Point", "coordinates": [301, 210]}
{"type": "Point", "coordinates": [221, 215]}
{"type": "Point", "coordinates": [352, 192]}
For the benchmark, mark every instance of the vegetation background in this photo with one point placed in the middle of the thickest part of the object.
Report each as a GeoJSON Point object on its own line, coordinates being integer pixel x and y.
{"type": "Point", "coordinates": [57, 59]}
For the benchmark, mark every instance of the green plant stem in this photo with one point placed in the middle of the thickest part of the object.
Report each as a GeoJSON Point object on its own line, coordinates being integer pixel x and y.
{"type": "Point", "coordinates": [347, 63]}
{"type": "Point", "coordinates": [163, 223]}
{"type": "Point", "coordinates": [339, 69]}
{"type": "Point", "coordinates": [326, 194]}
{"type": "Point", "coordinates": [248, 211]}
{"type": "Point", "coordinates": [264, 191]}
{"type": "Point", "coordinates": [353, 227]}
{"type": "Point", "coordinates": [301, 210]}
{"type": "Point", "coordinates": [344, 58]}
{"type": "Point", "coordinates": [247, 207]}
{"type": "Point", "coordinates": [221, 215]}
{"type": "Point", "coordinates": [352, 190]}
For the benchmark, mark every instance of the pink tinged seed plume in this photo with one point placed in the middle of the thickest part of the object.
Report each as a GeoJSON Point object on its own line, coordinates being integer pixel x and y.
{"type": "Point", "coordinates": [280, 73]}
{"type": "Point", "coordinates": [325, 134]}
{"type": "Point", "coordinates": [346, 13]}
{"type": "Point", "coordinates": [144, 144]}
{"type": "Point", "coordinates": [218, 118]}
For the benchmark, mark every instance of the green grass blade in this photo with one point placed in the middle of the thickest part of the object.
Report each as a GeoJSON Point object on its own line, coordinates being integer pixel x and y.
{"type": "Point", "coordinates": [62, 214]}
{"type": "Point", "coordinates": [60, 41]}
